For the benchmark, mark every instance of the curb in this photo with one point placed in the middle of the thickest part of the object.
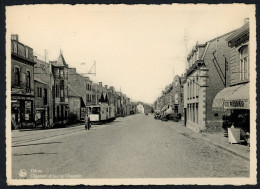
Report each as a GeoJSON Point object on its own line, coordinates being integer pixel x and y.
{"type": "Point", "coordinates": [224, 148]}
{"type": "Point", "coordinates": [219, 146]}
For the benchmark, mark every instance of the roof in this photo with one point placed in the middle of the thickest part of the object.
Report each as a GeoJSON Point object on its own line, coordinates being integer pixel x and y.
{"type": "Point", "coordinates": [239, 33]}
{"type": "Point", "coordinates": [73, 93]}
{"type": "Point", "coordinates": [40, 81]}
{"type": "Point", "coordinates": [60, 62]}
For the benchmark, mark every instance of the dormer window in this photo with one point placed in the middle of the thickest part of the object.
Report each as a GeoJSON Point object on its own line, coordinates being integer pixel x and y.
{"type": "Point", "coordinates": [244, 63]}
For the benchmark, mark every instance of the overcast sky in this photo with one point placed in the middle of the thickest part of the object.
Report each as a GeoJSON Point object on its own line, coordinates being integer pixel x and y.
{"type": "Point", "coordinates": [136, 48]}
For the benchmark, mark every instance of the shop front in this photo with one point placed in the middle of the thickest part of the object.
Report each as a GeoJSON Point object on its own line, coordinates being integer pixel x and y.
{"type": "Point", "coordinates": [42, 117]}
{"type": "Point", "coordinates": [22, 111]}
{"type": "Point", "coordinates": [235, 102]}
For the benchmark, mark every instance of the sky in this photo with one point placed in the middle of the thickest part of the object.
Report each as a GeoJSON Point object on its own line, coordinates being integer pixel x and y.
{"type": "Point", "coordinates": [137, 48]}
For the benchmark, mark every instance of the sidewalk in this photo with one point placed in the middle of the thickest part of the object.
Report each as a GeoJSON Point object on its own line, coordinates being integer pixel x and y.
{"type": "Point", "coordinates": [218, 139]}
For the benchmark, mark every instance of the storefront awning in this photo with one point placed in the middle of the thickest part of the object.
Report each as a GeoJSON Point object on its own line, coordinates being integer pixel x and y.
{"type": "Point", "coordinates": [236, 97]}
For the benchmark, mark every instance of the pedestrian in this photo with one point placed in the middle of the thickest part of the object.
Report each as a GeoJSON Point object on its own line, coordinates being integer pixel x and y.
{"type": "Point", "coordinates": [87, 122]}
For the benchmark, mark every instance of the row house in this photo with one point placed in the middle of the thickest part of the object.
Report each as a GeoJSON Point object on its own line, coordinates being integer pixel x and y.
{"type": "Point", "coordinates": [41, 106]}
{"type": "Point", "coordinates": [44, 78]}
{"type": "Point", "coordinates": [177, 95]}
{"type": "Point", "coordinates": [172, 97]}
{"type": "Point", "coordinates": [79, 86]}
{"type": "Point", "coordinates": [77, 108]}
{"type": "Point", "coordinates": [89, 91]}
{"type": "Point", "coordinates": [60, 90]}
{"type": "Point", "coordinates": [234, 99]}
{"type": "Point", "coordinates": [206, 75]}
{"type": "Point", "coordinates": [22, 83]}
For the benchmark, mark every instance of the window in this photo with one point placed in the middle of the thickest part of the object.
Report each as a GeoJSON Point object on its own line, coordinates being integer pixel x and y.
{"type": "Point", "coordinates": [28, 79]}
{"type": "Point", "coordinates": [244, 63]}
{"type": "Point", "coordinates": [62, 91]}
{"type": "Point", "coordinates": [57, 90]}
{"type": "Point", "coordinates": [197, 87]}
{"type": "Point", "coordinates": [39, 92]}
{"type": "Point", "coordinates": [58, 111]}
{"type": "Point", "coordinates": [188, 95]}
{"type": "Point", "coordinates": [17, 76]}
{"type": "Point", "coordinates": [61, 73]}
{"type": "Point", "coordinates": [45, 97]}
{"type": "Point", "coordinates": [26, 52]}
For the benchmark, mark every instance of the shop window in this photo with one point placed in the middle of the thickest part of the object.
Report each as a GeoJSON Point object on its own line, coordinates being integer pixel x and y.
{"type": "Point", "coordinates": [244, 63]}
{"type": "Point", "coordinates": [17, 76]}
{"type": "Point", "coordinates": [28, 110]}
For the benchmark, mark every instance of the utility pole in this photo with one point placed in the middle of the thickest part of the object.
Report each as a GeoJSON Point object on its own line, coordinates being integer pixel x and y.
{"type": "Point", "coordinates": [186, 40]}
{"type": "Point", "coordinates": [45, 54]}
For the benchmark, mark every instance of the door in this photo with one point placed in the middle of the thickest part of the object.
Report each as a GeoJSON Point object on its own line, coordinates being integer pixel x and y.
{"type": "Point", "coordinates": [185, 116]}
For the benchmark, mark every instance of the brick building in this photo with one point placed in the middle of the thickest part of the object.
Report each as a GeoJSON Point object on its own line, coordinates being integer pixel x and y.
{"type": "Point", "coordinates": [41, 105]}
{"type": "Point", "coordinates": [89, 91]}
{"type": "Point", "coordinates": [22, 83]}
{"type": "Point", "coordinates": [76, 105]}
{"type": "Point", "coordinates": [206, 75]}
{"type": "Point", "coordinates": [43, 72]}
{"type": "Point", "coordinates": [234, 99]}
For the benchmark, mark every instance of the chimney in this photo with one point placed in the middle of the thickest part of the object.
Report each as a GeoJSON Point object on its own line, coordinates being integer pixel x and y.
{"type": "Point", "coordinates": [246, 20]}
{"type": "Point", "coordinates": [111, 88]}
{"type": "Point", "coordinates": [100, 84]}
{"type": "Point", "coordinates": [15, 37]}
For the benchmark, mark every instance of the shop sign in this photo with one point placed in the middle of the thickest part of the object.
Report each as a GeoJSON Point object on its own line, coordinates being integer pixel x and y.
{"type": "Point", "coordinates": [234, 104]}
{"type": "Point", "coordinates": [22, 98]}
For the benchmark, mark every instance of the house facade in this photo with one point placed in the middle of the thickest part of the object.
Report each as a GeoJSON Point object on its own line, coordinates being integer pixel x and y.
{"type": "Point", "coordinates": [22, 83]}
{"type": "Point", "coordinates": [234, 100]}
{"type": "Point", "coordinates": [60, 90]}
{"type": "Point", "coordinates": [41, 105]}
{"type": "Point", "coordinates": [206, 75]}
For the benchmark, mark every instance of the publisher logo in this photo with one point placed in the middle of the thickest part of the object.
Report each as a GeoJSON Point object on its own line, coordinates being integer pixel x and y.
{"type": "Point", "coordinates": [22, 173]}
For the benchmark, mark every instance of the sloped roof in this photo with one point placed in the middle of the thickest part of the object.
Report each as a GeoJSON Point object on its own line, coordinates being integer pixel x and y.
{"type": "Point", "coordinates": [60, 62]}
{"type": "Point", "coordinates": [232, 39]}
{"type": "Point", "coordinates": [72, 92]}
{"type": "Point", "coordinates": [39, 80]}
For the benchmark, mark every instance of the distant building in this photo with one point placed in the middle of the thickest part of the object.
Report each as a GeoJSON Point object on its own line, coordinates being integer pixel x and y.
{"type": "Point", "coordinates": [76, 105]}
{"type": "Point", "coordinates": [89, 91]}
{"type": "Point", "coordinates": [22, 83]}
{"type": "Point", "coordinates": [140, 108]}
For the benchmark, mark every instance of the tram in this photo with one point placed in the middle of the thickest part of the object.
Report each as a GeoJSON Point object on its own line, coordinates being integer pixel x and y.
{"type": "Point", "coordinates": [101, 113]}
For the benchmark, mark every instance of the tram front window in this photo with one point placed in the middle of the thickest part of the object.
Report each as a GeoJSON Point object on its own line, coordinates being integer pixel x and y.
{"type": "Point", "coordinates": [95, 110]}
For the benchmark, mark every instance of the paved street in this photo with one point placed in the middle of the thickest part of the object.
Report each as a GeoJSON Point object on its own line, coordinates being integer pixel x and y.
{"type": "Point", "coordinates": [136, 146]}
